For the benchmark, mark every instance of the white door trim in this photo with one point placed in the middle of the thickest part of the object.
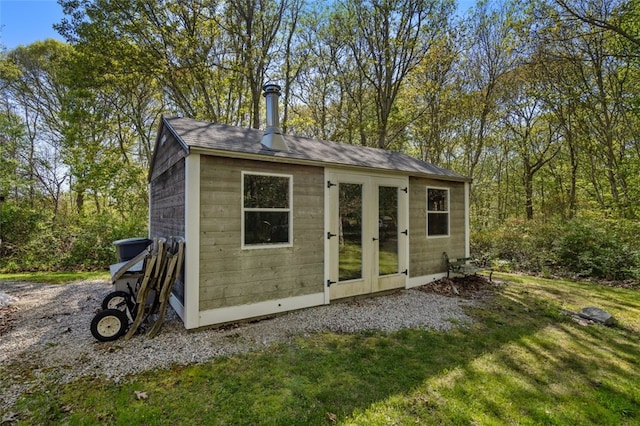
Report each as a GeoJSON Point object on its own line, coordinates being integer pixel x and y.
{"type": "Point", "coordinates": [371, 183]}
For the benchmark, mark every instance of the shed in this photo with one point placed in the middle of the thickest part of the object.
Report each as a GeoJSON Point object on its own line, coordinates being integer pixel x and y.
{"type": "Point", "coordinates": [276, 223]}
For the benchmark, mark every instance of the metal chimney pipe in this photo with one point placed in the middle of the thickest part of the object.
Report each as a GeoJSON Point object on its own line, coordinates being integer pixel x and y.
{"type": "Point", "coordinates": [272, 138]}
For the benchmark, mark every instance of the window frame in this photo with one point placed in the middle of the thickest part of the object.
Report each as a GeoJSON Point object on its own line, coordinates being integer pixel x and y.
{"type": "Point", "coordinates": [442, 212]}
{"type": "Point", "coordinates": [244, 209]}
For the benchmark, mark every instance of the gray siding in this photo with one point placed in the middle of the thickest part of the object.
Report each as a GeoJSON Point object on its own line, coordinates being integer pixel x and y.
{"type": "Point", "coordinates": [426, 253]}
{"type": "Point", "coordinates": [166, 154]}
{"type": "Point", "coordinates": [166, 203]}
{"type": "Point", "coordinates": [231, 276]}
{"type": "Point", "coordinates": [166, 198]}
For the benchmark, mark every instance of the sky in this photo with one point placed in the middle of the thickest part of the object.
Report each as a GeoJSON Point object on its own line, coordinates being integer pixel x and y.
{"type": "Point", "coordinates": [24, 21]}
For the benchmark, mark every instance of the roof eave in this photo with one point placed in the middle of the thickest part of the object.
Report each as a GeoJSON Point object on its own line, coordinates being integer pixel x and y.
{"type": "Point", "coordinates": [306, 162]}
{"type": "Point", "coordinates": [159, 134]}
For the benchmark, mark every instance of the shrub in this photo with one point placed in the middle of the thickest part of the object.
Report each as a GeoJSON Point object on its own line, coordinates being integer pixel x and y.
{"type": "Point", "coordinates": [18, 225]}
{"type": "Point", "coordinates": [74, 244]}
{"type": "Point", "coordinates": [92, 246]}
{"type": "Point", "coordinates": [517, 244]}
{"type": "Point", "coordinates": [582, 248]}
{"type": "Point", "coordinates": [598, 250]}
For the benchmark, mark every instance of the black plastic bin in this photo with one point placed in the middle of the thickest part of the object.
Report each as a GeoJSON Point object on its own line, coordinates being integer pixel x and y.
{"type": "Point", "coordinates": [129, 248]}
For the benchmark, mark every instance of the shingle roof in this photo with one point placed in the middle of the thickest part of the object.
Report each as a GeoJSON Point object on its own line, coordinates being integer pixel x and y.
{"type": "Point", "coordinates": [202, 135]}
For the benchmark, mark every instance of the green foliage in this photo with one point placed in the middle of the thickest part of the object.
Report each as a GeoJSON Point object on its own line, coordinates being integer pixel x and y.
{"type": "Point", "coordinates": [599, 249]}
{"type": "Point", "coordinates": [538, 107]}
{"type": "Point", "coordinates": [580, 248]}
{"type": "Point", "coordinates": [92, 246]}
{"type": "Point", "coordinates": [12, 145]}
{"type": "Point", "coordinates": [31, 242]}
{"type": "Point", "coordinates": [18, 225]}
{"type": "Point", "coordinates": [56, 277]}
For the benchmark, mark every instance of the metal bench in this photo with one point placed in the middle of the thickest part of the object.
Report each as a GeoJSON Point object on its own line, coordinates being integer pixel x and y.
{"type": "Point", "coordinates": [465, 266]}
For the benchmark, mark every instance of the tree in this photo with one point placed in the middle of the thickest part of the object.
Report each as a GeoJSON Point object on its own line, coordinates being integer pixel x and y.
{"type": "Point", "coordinates": [531, 133]}
{"type": "Point", "coordinates": [619, 17]}
{"type": "Point", "coordinates": [491, 54]}
{"type": "Point", "coordinates": [253, 27]}
{"type": "Point", "coordinates": [32, 76]}
{"type": "Point", "coordinates": [602, 79]}
{"type": "Point", "coordinates": [296, 54]}
{"type": "Point", "coordinates": [13, 153]}
{"type": "Point", "coordinates": [432, 101]}
{"type": "Point", "coordinates": [387, 40]}
{"type": "Point", "coordinates": [176, 42]}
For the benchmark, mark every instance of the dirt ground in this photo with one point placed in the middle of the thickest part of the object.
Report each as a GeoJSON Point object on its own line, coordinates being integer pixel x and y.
{"type": "Point", "coordinates": [7, 315]}
{"type": "Point", "coordinates": [470, 287]}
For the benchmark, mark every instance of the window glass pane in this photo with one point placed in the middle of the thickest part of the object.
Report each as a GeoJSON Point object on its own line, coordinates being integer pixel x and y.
{"type": "Point", "coordinates": [350, 253]}
{"type": "Point", "coordinates": [266, 227]}
{"type": "Point", "coordinates": [438, 224]}
{"type": "Point", "coordinates": [437, 200]}
{"type": "Point", "coordinates": [270, 192]}
{"type": "Point", "coordinates": [388, 230]}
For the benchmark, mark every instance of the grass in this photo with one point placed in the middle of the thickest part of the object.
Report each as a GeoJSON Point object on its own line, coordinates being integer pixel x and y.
{"type": "Point", "coordinates": [350, 261]}
{"type": "Point", "coordinates": [56, 277]}
{"type": "Point", "coordinates": [523, 361]}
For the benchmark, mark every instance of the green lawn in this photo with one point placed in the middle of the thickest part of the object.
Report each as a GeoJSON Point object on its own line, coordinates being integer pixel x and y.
{"type": "Point", "coordinates": [350, 263]}
{"type": "Point", "coordinates": [522, 362]}
{"type": "Point", "coordinates": [56, 277]}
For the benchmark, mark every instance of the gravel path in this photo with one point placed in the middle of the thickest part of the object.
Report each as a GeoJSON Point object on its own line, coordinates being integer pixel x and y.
{"type": "Point", "coordinates": [50, 339]}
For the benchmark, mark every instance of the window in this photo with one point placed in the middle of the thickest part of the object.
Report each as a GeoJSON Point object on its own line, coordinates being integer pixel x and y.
{"type": "Point", "coordinates": [437, 212]}
{"type": "Point", "coordinates": [266, 209]}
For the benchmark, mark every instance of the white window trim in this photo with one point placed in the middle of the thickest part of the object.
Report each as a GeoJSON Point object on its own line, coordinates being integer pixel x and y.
{"type": "Point", "coordinates": [288, 210]}
{"type": "Point", "coordinates": [447, 212]}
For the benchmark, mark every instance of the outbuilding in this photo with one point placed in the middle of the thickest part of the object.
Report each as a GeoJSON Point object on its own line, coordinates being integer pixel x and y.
{"type": "Point", "coordinates": [276, 223]}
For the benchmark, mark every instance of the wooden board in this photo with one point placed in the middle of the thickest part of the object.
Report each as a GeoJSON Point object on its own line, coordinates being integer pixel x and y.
{"type": "Point", "coordinates": [167, 209]}
{"type": "Point", "coordinates": [425, 254]}
{"type": "Point", "coordinates": [231, 275]}
{"type": "Point", "coordinates": [167, 154]}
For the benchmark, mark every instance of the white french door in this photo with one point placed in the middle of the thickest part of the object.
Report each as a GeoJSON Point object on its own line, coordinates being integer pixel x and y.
{"type": "Point", "coordinates": [366, 233]}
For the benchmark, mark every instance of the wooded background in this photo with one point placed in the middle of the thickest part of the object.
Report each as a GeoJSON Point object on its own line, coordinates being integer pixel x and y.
{"type": "Point", "coordinates": [537, 101]}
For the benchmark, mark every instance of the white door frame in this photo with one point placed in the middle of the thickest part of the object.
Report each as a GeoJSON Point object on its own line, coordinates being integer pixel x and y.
{"type": "Point", "coordinates": [370, 282]}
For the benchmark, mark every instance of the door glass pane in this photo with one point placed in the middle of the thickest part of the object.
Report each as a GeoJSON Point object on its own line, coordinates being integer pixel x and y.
{"type": "Point", "coordinates": [350, 232]}
{"type": "Point", "coordinates": [388, 230]}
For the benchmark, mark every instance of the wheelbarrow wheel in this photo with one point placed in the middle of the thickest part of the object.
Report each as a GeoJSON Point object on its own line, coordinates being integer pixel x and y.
{"type": "Point", "coordinates": [119, 300]}
{"type": "Point", "coordinates": [109, 325]}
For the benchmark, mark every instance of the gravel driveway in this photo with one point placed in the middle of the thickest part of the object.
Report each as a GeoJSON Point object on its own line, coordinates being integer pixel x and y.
{"type": "Point", "coordinates": [49, 332]}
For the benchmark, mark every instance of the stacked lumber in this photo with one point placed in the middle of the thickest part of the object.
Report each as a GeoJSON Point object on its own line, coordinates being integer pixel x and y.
{"type": "Point", "coordinates": [162, 266]}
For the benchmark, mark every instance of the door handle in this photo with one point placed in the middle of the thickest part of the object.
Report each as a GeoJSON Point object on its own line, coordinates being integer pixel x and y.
{"type": "Point", "coordinates": [375, 239]}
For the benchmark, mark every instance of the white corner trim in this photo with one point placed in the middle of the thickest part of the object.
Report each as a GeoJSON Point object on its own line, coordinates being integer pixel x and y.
{"type": "Point", "coordinates": [467, 226]}
{"type": "Point", "coordinates": [425, 279]}
{"type": "Point", "coordinates": [191, 306]}
{"type": "Point", "coordinates": [269, 307]}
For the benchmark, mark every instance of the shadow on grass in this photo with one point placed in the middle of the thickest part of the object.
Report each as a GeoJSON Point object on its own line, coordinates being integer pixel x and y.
{"type": "Point", "coordinates": [520, 362]}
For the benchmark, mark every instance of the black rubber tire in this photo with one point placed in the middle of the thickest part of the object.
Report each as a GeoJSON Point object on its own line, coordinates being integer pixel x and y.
{"type": "Point", "coordinates": [109, 325]}
{"type": "Point", "coordinates": [115, 299]}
